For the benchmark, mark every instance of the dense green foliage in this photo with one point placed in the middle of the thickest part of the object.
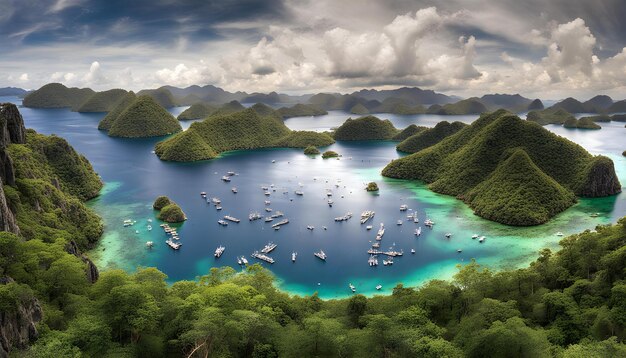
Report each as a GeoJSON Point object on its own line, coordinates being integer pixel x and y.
{"type": "Point", "coordinates": [466, 106]}
{"type": "Point", "coordinates": [365, 128]}
{"type": "Point", "coordinates": [571, 303]}
{"type": "Point", "coordinates": [398, 106]}
{"type": "Point", "coordinates": [582, 123]}
{"type": "Point", "coordinates": [330, 154]}
{"type": "Point", "coordinates": [230, 107]}
{"type": "Point", "coordinates": [549, 116]}
{"type": "Point", "coordinates": [197, 111]}
{"type": "Point", "coordinates": [172, 213]}
{"type": "Point", "coordinates": [300, 110]}
{"type": "Point", "coordinates": [103, 101]}
{"type": "Point", "coordinates": [161, 95]}
{"type": "Point", "coordinates": [408, 132]}
{"type": "Point", "coordinates": [371, 186]}
{"type": "Point", "coordinates": [144, 117]}
{"type": "Point", "coordinates": [245, 129]}
{"type": "Point", "coordinates": [430, 136]}
{"type": "Point", "coordinates": [311, 150]}
{"type": "Point", "coordinates": [461, 162]}
{"type": "Point", "coordinates": [107, 121]}
{"type": "Point", "coordinates": [160, 202]}
{"type": "Point", "coordinates": [52, 181]}
{"type": "Point", "coordinates": [598, 118]}
{"type": "Point", "coordinates": [56, 95]}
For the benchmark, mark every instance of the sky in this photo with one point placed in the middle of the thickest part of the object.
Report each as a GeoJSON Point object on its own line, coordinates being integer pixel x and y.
{"type": "Point", "coordinates": [538, 48]}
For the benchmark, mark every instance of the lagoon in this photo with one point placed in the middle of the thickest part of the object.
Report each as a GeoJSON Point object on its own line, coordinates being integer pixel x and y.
{"type": "Point", "coordinates": [134, 177]}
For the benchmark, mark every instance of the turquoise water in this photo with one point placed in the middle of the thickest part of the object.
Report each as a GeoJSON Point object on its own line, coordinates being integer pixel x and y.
{"type": "Point", "coordinates": [134, 177]}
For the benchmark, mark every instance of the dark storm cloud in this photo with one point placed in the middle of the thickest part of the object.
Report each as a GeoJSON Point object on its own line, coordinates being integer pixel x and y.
{"type": "Point", "coordinates": [106, 21]}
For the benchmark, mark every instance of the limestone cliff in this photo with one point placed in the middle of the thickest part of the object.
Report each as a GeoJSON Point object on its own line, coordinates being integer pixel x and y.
{"type": "Point", "coordinates": [11, 131]}
{"type": "Point", "coordinates": [18, 326]}
{"type": "Point", "coordinates": [600, 179]}
{"type": "Point", "coordinates": [91, 269]}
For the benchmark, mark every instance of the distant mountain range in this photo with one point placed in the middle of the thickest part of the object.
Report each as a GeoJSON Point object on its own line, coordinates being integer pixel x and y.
{"type": "Point", "coordinates": [12, 91]}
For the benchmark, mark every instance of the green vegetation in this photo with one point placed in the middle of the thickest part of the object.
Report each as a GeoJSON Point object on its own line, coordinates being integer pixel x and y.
{"type": "Point", "coordinates": [550, 116]}
{"type": "Point", "coordinates": [467, 106]}
{"type": "Point", "coordinates": [618, 117]}
{"type": "Point", "coordinates": [161, 202]}
{"type": "Point", "coordinates": [365, 128]}
{"type": "Point", "coordinates": [408, 132]}
{"type": "Point", "coordinates": [535, 105]}
{"type": "Point", "coordinates": [172, 213]}
{"type": "Point", "coordinates": [245, 129]}
{"type": "Point", "coordinates": [460, 163]}
{"type": "Point", "coordinates": [197, 111]}
{"type": "Point", "coordinates": [161, 95]}
{"type": "Point", "coordinates": [107, 121]}
{"type": "Point", "coordinates": [330, 154]}
{"type": "Point", "coordinates": [263, 109]}
{"type": "Point", "coordinates": [311, 150]}
{"type": "Point", "coordinates": [582, 123]}
{"type": "Point", "coordinates": [230, 107]}
{"type": "Point", "coordinates": [144, 118]}
{"type": "Point", "coordinates": [359, 109]}
{"type": "Point", "coordinates": [398, 106]}
{"type": "Point", "coordinates": [430, 136]}
{"type": "Point", "coordinates": [371, 186]}
{"type": "Point", "coordinates": [56, 95]}
{"type": "Point", "coordinates": [300, 110]}
{"type": "Point", "coordinates": [103, 101]}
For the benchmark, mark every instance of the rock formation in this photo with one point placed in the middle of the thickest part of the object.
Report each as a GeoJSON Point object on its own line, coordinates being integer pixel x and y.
{"type": "Point", "coordinates": [18, 327]}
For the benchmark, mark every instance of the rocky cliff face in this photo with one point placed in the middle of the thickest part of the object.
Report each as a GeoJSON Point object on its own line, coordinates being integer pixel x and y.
{"type": "Point", "coordinates": [11, 131]}
{"type": "Point", "coordinates": [91, 270]}
{"type": "Point", "coordinates": [600, 179]}
{"type": "Point", "coordinates": [18, 327]}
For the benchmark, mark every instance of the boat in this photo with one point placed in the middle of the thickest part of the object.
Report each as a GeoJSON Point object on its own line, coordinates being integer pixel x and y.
{"type": "Point", "coordinates": [399, 222]}
{"type": "Point", "coordinates": [368, 227]}
{"type": "Point", "coordinates": [481, 239]}
{"type": "Point", "coordinates": [230, 174]}
{"type": "Point", "coordinates": [218, 207]}
{"type": "Point", "coordinates": [324, 227]}
{"type": "Point", "coordinates": [459, 251]}
{"type": "Point", "coordinates": [366, 215]}
{"type": "Point", "coordinates": [345, 217]}
{"type": "Point", "coordinates": [267, 193]}
{"type": "Point", "coordinates": [149, 244]}
{"type": "Point", "coordinates": [276, 228]}
{"type": "Point", "coordinates": [267, 202]}
{"type": "Point", "coordinates": [330, 202]}
{"type": "Point", "coordinates": [216, 201]}
{"type": "Point", "coordinates": [352, 288]}
{"type": "Point", "coordinates": [239, 262]}
{"type": "Point", "coordinates": [273, 161]}
{"type": "Point", "coordinates": [269, 247]}
{"type": "Point", "coordinates": [381, 232]}
{"type": "Point", "coordinates": [265, 188]}
{"type": "Point", "coordinates": [173, 245]}
{"type": "Point", "coordinates": [282, 222]}
{"type": "Point", "coordinates": [203, 194]}
{"type": "Point", "coordinates": [226, 178]}
{"type": "Point", "coordinates": [429, 223]}
{"type": "Point", "coordinates": [475, 236]}
{"type": "Point", "coordinates": [277, 214]}
{"type": "Point", "coordinates": [268, 219]}
{"type": "Point", "coordinates": [128, 222]}
{"type": "Point", "coordinates": [230, 218]}
{"type": "Point", "coordinates": [415, 219]}
{"type": "Point", "coordinates": [244, 260]}
{"type": "Point", "coordinates": [376, 244]}
{"type": "Point", "coordinates": [298, 192]}
{"type": "Point", "coordinates": [254, 216]}
{"type": "Point", "coordinates": [373, 260]}
{"type": "Point", "coordinates": [262, 257]}
{"type": "Point", "coordinates": [412, 251]}
{"type": "Point", "coordinates": [320, 255]}
{"type": "Point", "coordinates": [409, 216]}
{"type": "Point", "coordinates": [448, 235]}
{"type": "Point", "coordinates": [234, 190]}
{"type": "Point", "coordinates": [293, 256]}
{"type": "Point", "coordinates": [222, 222]}
{"type": "Point", "coordinates": [136, 231]}
{"type": "Point", "coordinates": [388, 262]}
{"type": "Point", "coordinates": [149, 227]}
{"type": "Point", "coordinates": [595, 215]}
{"type": "Point", "coordinates": [219, 251]}
{"type": "Point", "coordinates": [559, 234]}
{"type": "Point", "coordinates": [418, 231]}
{"type": "Point", "coordinates": [269, 210]}
{"type": "Point", "coordinates": [404, 207]}
{"type": "Point", "coordinates": [378, 287]}
{"type": "Point", "coordinates": [309, 227]}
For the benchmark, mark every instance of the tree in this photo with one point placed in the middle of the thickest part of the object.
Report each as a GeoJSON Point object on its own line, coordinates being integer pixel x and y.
{"type": "Point", "coordinates": [356, 308]}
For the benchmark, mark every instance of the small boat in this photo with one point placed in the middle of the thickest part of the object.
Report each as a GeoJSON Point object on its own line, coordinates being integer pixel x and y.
{"type": "Point", "coordinates": [412, 251]}
{"type": "Point", "coordinates": [372, 261]}
{"type": "Point", "coordinates": [298, 192]}
{"type": "Point", "coordinates": [149, 244]}
{"type": "Point", "coordinates": [254, 216]}
{"type": "Point", "coordinates": [149, 220]}
{"type": "Point", "coordinates": [320, 255]}
{"type": "Point", "coordinates": [222, 222]}
{"type": "Point", "coordinates": [230, 174]}
{"type": "Point", "coordinates": [234, 190]}
{"type": "Point", "coordinates": [415, 219]}
{"type": "Point", "coordinates": [448, 235]}
{"type": "Point", "coordinates": [226, 178]}
{"type": "Point", "coordinates": [203, 194]}
{"type": "Point", "coordinates": [173, 245]}
{"type": "Point", "coordinates": [481, 239]}
{"type": "Point", "coordinates": [267, 193]}
{"type": "Point", "coordinates": [267, 202]}
{"type": "Point", "coordinates": [218, 208]}
{"type": "Point", "coordinates": [293, 256]}
{"type": "Point", "coordinates": [399, 222]}
{"type": "Point", "coordinates": [352, 288]}
{"type": "Point", "coordinates": [404, 207]}
{"type": "Point", "coordinates": [378, 287]}
{"type": "Point", "coordinates": [216, 201]}
{"type": "Point", "coordinates": [276, 228]}
{"type": "Point", "coordinates": [239, 262]}
{"type": "Point", "coordinates": [136, 231]}
{"type": "Point", "coordinates": [269, 247]}
{"type": "Point", "coordinates": [324, 227]}
{"type": "Point", "coordinates": [429, 223]}
{"type": "Point", "coordinates": [309, 227]}
{"type": "Point", "coordinates": [376, 245]}
{"type": "Point", "coordinates": [595, 215]}
{"type": "Point", "coordinates": [231, 218]}
{"type": "Point", "coordinates": [219, 251]}
{"type": "Point", "coordinates": [559, 234]}
{"type": "Point", "coordinates": [149, 227]}
{"type": "Point", "coordinates": [273, 161]}
{"type": "Point", "coordinates": [330, 202]}
{"type": "Point", "coordinates": [268, 219]}
{"type": "Point", "coordinates": [475, 236]}
{"type": "Point", "coordinates": [244, 260]}
{"type": "Point", "coordinates": [459, 251]}
{"type": "Point", "coordinates": [417, 232]}
{"type": "Point", "coordinates": [388, 262]}
{"type": "Point", "coordinates": [368, 227]}
{"type": "Point", "coordinates": [269, 210]}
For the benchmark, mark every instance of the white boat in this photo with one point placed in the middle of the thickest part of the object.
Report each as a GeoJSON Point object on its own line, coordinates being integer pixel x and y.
{"type": "Point", "coordinates": [475, 236]}
{"type": "Point", "coordinates": [149, 227]}
{"type": "Point", "coordinates": [267, 202]}
{"type": "Point", "coordinates": [231, 173]}
{"type": "Point", "coordinates": [254, 216]}
{"type": "Point", "coordinates": [448, 235]}
{"type": "Point", "coordinates": [267, 193]}
{"type": "Point", "coordinates": [481, 239]}
{"type": "Point", "coordinates": [268, 219]}
{"type": "Point", "coordinates": [399, 222]}
{"type": "Point", "coordinates": [429, 222]}
{"type": "Point", "coordinates": [310, 227]}
{"type": "Point", "coordinates": [231, 218]}
{"type": "Point", "coordinates": [149, 244]}
{"type": "Point", "coordinates": [293, 256]}
{"type": "Point", "coordinates": [136, 231]}
{"type": "Point", "coordinates": [262, 257]}
{"type": "Point", "coordinates": [269, 210]}
{"type": "Point", "coordinates": [412, 251]}
{"type": "Point", "coordinates": [218, 207]}
{"type": "Point", "coordinates": [219, 251]}
{"type": "Point", "coordinates": [239, 262]}
{"type": "Point", "coordinates": [378, 287]}
{"type": "Point", "coordinates": [330, 202]}
{"type": "Point", "coordinates": [226, 178]}
{"type": "Point", "coordinates": [216, 201]}
{"type": "Point", "coordinates": [559, 234]}
{"type": "Point", "coordinates": [173, 245]}
{"type": "Point", "coordinates": [298, 192]}
{"type": "Point", "coordinates": [244, 260]}
{"type": "Point", "coordinates": [234, 190]}
{"type": "Point", "coordinates": [368, 227]}
{"type": "Point", "coordinates": [273, 161]}
{"type": "Point", "coordinates": [404, 207]}
{"type": "Point", "coordinates": [367, 215]}
{"type": "Point", "coordinates": [269, 247]}
{"type": "Point", "coordinates": [222, 222]}
{"type": "Point", "coordinates": [324, 227]}
{"type": "Point", "coordinates": [352, 288]}
{"type": "Point", "coordinates": [320, 255]}
{"type": "Point", "coordinates": [203, 194]}
{"type": "Point", "coordinates": [459, 250]}
{"type": "Point", "coordinates": [373, 260]}
{"type": "Point", "coordinates": [388, 262]}
{"type": "Point", "coordinates": [282, 222]}
{"type": "Point", "coordinates": [415, 219]}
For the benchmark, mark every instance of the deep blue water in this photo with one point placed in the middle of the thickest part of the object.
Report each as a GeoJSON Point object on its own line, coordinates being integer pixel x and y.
{"type": "Point", "coordinates": [134, 177]}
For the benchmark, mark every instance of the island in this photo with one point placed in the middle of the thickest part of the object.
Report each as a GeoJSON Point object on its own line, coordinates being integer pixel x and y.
{"type": "Point", "coordinates": [169, 211]}
{"type": "Point", "coordinates": [365, 128]}
{"type": "Point", "coordinates": [103, 101]}
{"type": "Point", "coordinates": [56, 95]}
{"type": "Point", "coordinates": [300, 110]}
{"type": "Point", "coordinates": [197, 111]}
{"type": "Point", "coordinates": [582, 123]}
{"type": "Point", "coordinates": [161, 95]}
{"type": "Point", "coordinates": [111, 116]}
{"type": "Point", "coordinates": [246, 129]}
{"type": "Point", "coordinates": [140, 117]}
{"type": "Point", "coordinates": [311, 150]}
{"type": "Point", "coordinates": [481, 163]}
{"type": "Point", "coordinates": [550, 116]}
{"type": "Point", "coordinates": [467, 106]}
{"type": "Point", "coordinates": [330, 154]}
{"type": "Point", "coordinates": [408, 132]}
{"type": "Point", "coordinates": [371, 186]}
{"type": "Point", "coordinates": [428, 137]}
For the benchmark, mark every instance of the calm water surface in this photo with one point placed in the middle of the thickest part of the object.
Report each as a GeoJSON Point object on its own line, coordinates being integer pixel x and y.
{"type": "Point", "coordinates": [134, 177]}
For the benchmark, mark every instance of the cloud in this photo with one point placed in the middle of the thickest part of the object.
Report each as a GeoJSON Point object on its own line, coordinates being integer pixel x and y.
{"type": "Point", "coordinates": [24, 77]}
{"type": "Point", "coordinates": [570, 51]}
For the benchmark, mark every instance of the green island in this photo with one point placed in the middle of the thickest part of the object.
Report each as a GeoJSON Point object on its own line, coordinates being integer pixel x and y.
{"type": "Point", "coordinates": [230, 107]}
{"type": "Point", "coordinates": [479, 163]}
{"type": "Point", "coordinates": [111, 116]}
{"type": "Point", "coordinates": [55, 302]}
{"type": "Point", "coordinates": [197, 111]}
{"type": "Point", "coordinates": [56, 95]}
{"type": "Point", "coordinates": [104, 101]}
{"type": "Point", "coordinates": [246, 129]}
{"type": "Point", "coordinates": [330, 154]}
{"type": "Point", "coordinates": [168, 210]}
{"type": "Point", "coordinates": [311, 150]}
{"type": "Point", "coordinates": [365, 128]}
{"type": "Point", "coordinates": [371, 186]}
{"type": "Point", "coordinates": [582, 123]}
{"type": "Point", "coordinates": [137, 117]}
{"type": "Point", "coordinates": [466, 106]}
{"type": "Point", "coordinates": [428, 137]}
{"type": "Point", "coordinates": [408, 132]}
{"type": "Point", "coordinates": [551, 115]}
{"type": "Point", "coordinates": [161, 95]}
{"type": "Point", "coordinates": [398, 106]}
{"type": "Point", "coordinates": [300, 110]}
